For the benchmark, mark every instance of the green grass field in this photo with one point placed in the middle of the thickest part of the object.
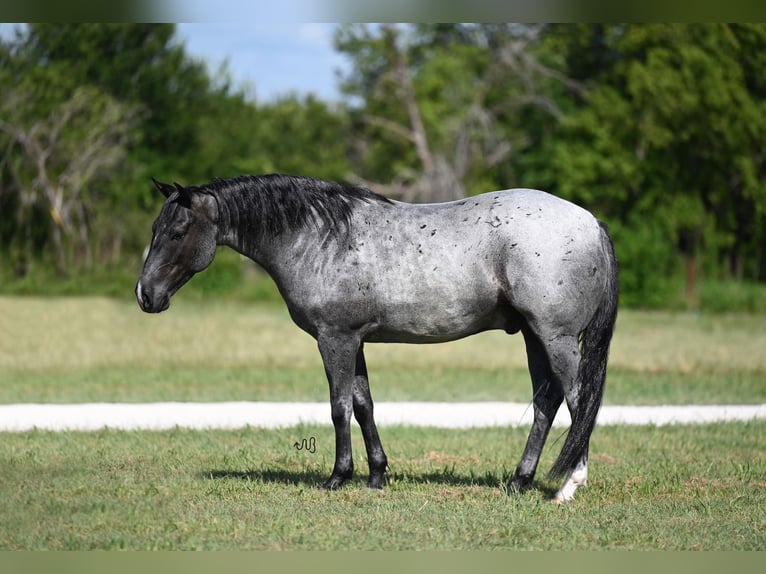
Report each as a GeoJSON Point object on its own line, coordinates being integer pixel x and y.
{"type": "Point", "coordinates": [91, 349]}
{"type": "Point", "coordinates": [666, 488]}
{"type": "Point", "coordinates": [686, 487]}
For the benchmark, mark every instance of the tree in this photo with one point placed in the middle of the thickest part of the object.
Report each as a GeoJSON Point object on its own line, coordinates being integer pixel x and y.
{"type": "Point", "coordinates": [91, 111]}
{"type": "Point", "coordinates": [297, 135]}
{"type": "Point", "coordinates": [140, 64]}
{"type": "Point", "coordinates": [438, 104]}
{"type": "Point", "coordinates": [84, 87]}
{"type": "Point", "coordinates": [670, 128]}
{"type": "Point", "coordinates": [59, 157]}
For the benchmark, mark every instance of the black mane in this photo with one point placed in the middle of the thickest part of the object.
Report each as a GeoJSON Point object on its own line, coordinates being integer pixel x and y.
{"type": "Point", "coordinates": [288, 203]}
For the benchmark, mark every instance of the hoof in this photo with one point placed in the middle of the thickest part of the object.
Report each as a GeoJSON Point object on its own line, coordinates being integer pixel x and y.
{"type": "Point", "coordinates": [334, 482]}
{"type": "Point", "coordinates": [376, 481]}
{"type": "Point", "coordinates": [576, 479]}
{"type": "Point", "coordinates": [518, 486]}
{"type": "Point", "coordinates": [377, 478]}
{"type": "Point", "coordinates": [563, 497]}
{"type": "Point", "coordinates": [517, 489]}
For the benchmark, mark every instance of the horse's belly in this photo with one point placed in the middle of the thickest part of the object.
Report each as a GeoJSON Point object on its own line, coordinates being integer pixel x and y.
{"type": "Point", "coordinates": [435, 333]}
{"type": "Point", "coordinates": [435, 319]}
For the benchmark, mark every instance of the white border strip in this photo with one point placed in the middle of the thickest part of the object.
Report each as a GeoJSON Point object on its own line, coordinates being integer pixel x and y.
{"type": "Point", "coordinates": [233, 415]}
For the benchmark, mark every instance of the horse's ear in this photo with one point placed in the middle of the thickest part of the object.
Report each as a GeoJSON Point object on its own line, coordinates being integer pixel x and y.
{"type": "Point", "coordinates": [165, 188]}
{"type": "Point", "coordinates": [184, 196]}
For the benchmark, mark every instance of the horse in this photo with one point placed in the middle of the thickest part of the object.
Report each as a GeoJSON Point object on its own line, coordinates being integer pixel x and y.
{"type": "Point", "coordinates": [355, 267]}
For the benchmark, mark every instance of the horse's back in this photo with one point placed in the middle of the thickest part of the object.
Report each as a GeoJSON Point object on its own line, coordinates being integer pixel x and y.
{"type": "Point", "coordinates": [530, 215]}
{"type": "Point", "coordinates": [515, 225]}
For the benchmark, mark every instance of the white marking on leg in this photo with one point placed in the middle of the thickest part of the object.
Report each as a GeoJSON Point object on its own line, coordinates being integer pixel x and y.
{"type": "Point", "coordinates": [576, 478]}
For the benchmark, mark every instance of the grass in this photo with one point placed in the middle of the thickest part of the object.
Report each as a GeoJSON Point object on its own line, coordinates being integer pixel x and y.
{"type": "Point", "coordinates": [669, 488]}
{"type": "Point", "coordinates": [97, 349]}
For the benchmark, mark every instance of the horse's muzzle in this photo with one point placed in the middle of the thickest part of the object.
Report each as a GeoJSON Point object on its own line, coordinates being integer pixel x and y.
{"type": "Point", "coordinates": [149, 302]}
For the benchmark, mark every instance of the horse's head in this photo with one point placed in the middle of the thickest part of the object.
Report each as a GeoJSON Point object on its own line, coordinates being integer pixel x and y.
{"type": "Point", "coordinates": [183, 243]}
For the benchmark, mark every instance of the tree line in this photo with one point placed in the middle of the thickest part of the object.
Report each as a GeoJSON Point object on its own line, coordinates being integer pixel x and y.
{"type": "Point", "coordinates": [656, 128]}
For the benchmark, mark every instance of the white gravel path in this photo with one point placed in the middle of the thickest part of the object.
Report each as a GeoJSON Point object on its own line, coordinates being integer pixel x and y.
{"type": "Point", "coordinates": [232, 415]}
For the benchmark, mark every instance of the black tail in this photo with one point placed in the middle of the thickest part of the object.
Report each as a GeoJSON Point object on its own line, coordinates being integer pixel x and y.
{"type": "Point", "coordinates": [591, 375]}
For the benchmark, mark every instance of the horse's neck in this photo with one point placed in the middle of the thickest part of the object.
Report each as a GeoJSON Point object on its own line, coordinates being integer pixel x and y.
{"type": "Point", "coordinates": [236, 227]}
{"type": "Point", "coordinates": [243, 231]}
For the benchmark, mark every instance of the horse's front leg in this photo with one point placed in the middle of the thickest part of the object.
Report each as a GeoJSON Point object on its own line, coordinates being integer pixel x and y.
{"type": "Point", "coordinates": [339, 351]}
{"type": "Point", "coordinates": [363, 411]}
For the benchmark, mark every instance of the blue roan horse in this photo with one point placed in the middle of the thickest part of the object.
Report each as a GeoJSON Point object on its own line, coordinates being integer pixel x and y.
{"type": "Point", "coordinates": [355, 267]}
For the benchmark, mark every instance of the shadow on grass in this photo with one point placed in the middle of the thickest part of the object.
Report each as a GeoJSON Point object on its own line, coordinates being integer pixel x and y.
{"type": "Point", "coordinates": [281, 476]}
{"type": "Point", "coordinates": [315, 478]}
{"type": "Point", "coordinates": [489, 480]}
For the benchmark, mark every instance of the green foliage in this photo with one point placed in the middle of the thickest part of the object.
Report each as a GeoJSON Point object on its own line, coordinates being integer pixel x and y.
{"type": "Point", "coordinates": [137, 63]}
{"type": "Point", "coordinates": [741, 296]}
{"type": "Point", "coordinates": [648, 264]}
{"type": "Point", "coordinates": [225, 275]}
{"type": "Point", "coordinates": [232, 277]}
{"type": "Point", "coordinates": [443, 102]}
{"type": "Point", "coordinates": [299, 135]}
{"type": "Point", "coordinates": [41, 279]}
{"type": "Point", "coordinates": [669, 127]}
{"type": "Point", "coordinates": [189, 128]}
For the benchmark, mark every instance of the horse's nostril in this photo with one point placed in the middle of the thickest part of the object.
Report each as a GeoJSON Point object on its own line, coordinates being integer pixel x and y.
{"type": "Point", "coordinates": [144, 300]}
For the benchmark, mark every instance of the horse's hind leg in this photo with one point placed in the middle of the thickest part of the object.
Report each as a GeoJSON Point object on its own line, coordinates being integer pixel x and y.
{"type": "Point", "coordinates": [363, 411]}
{"type": "Point", "coordinates": [547, 399]}
{"type": "Point", "coordinates": [564, 355]}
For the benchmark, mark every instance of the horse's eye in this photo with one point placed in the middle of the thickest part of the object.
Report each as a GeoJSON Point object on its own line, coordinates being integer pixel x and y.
{"type": "Point", "coordinates": [178, 235]}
